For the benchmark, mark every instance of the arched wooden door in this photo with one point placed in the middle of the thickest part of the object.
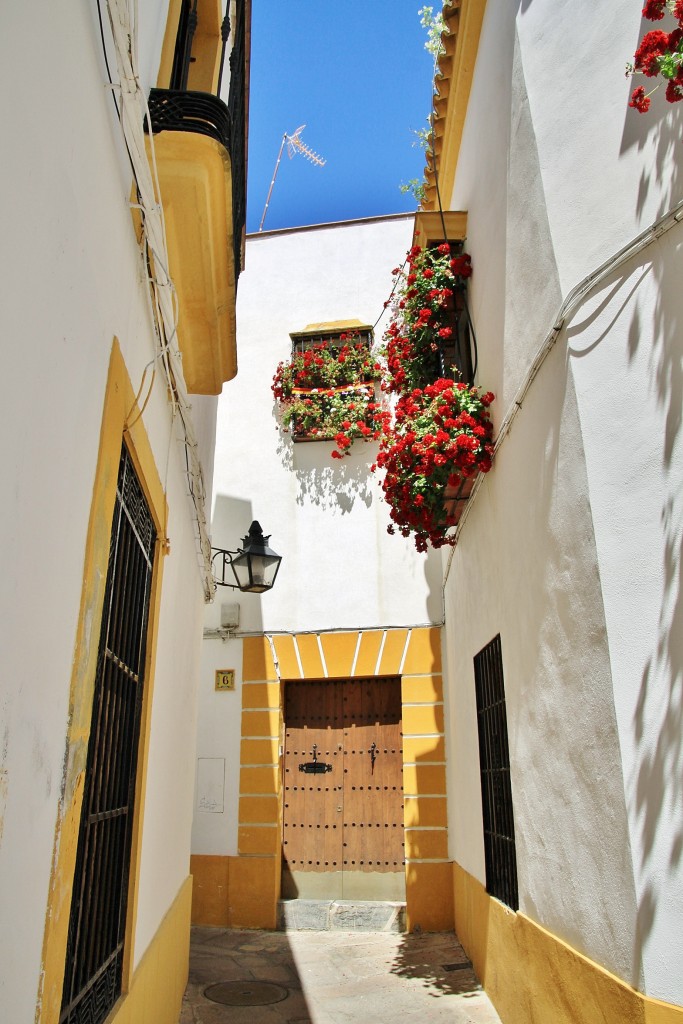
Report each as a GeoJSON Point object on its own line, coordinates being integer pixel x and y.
{"type": "Point", "coordinates": [343, 792]}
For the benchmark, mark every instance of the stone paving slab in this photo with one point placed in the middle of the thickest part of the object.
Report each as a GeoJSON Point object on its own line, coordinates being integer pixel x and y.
{"type": "Point", "coordinates": [336, 977]}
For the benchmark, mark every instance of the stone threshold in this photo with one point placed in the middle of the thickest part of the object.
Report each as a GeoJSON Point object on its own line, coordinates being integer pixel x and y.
{"type": "Point", "coordinates": [341, 915]}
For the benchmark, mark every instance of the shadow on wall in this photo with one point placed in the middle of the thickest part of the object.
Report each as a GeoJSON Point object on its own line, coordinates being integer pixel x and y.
{"type": "Point", "coordinates": [660, 700]}
{"type": "Point", "coordinates": [658, 721]}
{"type": "Point", "coordinates": [327, 482]}
{"type": "Point", "coordinates": [231, 520]}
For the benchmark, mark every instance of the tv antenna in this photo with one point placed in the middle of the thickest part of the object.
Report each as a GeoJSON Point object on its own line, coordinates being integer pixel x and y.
{"type": "Point", "coordinates": [294, 145]}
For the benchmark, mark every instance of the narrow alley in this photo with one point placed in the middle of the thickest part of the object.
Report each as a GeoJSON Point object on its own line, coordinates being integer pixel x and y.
{"type": "Point", "coordinates": [331, 977]}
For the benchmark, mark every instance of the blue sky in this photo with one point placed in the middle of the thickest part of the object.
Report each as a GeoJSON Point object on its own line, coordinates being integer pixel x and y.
{"type": "Point", "coordinates": [357, 75]}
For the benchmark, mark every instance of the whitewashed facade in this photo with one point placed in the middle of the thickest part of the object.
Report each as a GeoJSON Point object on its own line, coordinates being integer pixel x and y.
{"type": "Point", "coordinates": [571, 549]}
{"type": "Point", "coordinates": [340, 570]}
{"type": "Point", "coordinates": [350, 601]}
{"type": "Point", "coordinates": [83, 376]}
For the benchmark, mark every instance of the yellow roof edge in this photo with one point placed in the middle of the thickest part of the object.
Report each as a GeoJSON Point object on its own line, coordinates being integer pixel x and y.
{"type": "Point", "coordinates": [332, 327]}
{"type": "Point", "coordinates": [452, 85]}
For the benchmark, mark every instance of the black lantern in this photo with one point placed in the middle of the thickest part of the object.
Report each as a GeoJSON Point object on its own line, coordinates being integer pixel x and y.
{"type": "Point", "coordinates": [254, 565]}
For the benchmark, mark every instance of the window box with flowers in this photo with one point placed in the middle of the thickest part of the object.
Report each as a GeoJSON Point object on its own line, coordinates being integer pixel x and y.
{"type": "Point", "coordinates": [438, 436]}
{"type": "Point", "coordinates": [326, 390]}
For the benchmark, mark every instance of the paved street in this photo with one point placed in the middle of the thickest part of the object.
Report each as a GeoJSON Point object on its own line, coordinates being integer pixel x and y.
{"type": "Point", "coordinates": [331, 978]}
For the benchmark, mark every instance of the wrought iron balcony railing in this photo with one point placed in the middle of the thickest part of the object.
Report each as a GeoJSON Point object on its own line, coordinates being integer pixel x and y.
{"type": "Point", "coordinates": [178, 110]}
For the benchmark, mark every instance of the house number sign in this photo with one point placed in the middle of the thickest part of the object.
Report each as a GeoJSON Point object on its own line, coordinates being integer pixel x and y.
{"type": "Point", "coordinates": [225, 679]}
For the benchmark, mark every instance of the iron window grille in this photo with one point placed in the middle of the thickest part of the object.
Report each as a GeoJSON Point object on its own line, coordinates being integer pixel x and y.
{"type": "Point", "coordinates": [97, 923]}
{"type": "Point", "coordinates": [456, 351]}
{"type": "Point", "coordinates": [358, 388]}
{"type": "Point", "coordinates": [494, 764]}
{"type": "Point", "coordinates": [331, 339]}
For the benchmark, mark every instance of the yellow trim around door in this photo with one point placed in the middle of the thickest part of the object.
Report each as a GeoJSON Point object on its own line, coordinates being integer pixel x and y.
{"type": "Point", "coordinates": [253, 877]}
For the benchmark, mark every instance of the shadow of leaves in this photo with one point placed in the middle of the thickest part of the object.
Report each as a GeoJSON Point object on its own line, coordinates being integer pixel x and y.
{"type": "Point", "coordinates": [326, 482]}
{"type": "Point", "coordinates": [438, 963]}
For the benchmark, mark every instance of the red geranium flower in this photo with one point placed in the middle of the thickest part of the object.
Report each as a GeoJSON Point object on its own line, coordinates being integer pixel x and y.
{"type": "Point", "coordinates": [639, 101]}
{"type": "Point", "coordinates": [652, 46]}
{"type": "Point", "coordinates": [674, 91]}
{"type": "Point", "coordinates": [654, 9]}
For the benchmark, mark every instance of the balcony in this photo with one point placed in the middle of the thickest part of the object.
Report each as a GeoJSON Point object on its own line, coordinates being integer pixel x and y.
{"type": "Point", "coordinates": [199, 146]}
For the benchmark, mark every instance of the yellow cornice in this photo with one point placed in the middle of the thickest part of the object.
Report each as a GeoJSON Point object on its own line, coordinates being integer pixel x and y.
{"type": "Point", "coordinates": [452, 85]}
{"type": "Point", "coordinates": [433, 226]}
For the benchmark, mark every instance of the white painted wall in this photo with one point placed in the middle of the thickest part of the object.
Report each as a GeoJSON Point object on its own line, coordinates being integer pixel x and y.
{"type": "Point", "coordinates": [572, 548]}
{"type": "Point", "coordinates": [71, 281]}
{"type": "Point", "coordinates": [340, 568]}
{"type": "Point", "coordinates": [216, 797]}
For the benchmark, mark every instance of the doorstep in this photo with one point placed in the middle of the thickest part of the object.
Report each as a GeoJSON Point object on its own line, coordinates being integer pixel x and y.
{"type": "Point", "coordinates": [341, 916]}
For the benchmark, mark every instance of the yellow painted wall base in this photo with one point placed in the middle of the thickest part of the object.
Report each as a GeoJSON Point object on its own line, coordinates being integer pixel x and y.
{"type": "Point", "coordinates": [533, 977]}
{"type": "Point", "coordinates": [210, 890]}
{"type": "Point", "coordinates": [254, 888]}
{"type": "Point", "coordinates": [235, 892]}
{"type": "Point", "coordinates": [159, 981]}
{"type": "Point", "coordinates": [428, 897]}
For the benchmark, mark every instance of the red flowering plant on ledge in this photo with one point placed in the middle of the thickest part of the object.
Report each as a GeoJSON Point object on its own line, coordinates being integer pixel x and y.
{"type": "Point", "coordinates": [660, 54]}
{"type": "Point", "coordinates": [439, 435]}
{"type": "Point", "coordinates": [327, 392]}
{"type": "Point", "coordinates": [422, 314]}
{"type": "Point", "coordinates": [439, 439]}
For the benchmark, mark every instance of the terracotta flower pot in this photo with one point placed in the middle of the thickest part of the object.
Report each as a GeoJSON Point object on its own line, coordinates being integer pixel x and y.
{"type": "Point", "coordinates": [455, 499]}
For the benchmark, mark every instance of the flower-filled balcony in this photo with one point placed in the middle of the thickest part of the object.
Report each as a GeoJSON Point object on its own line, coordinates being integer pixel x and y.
{"type": "Point", "coordinates": [436, 435]}
{"type": "Point", "coordinates": [199, 149]}
{"type": "Point", "coordinates": [326, 392]}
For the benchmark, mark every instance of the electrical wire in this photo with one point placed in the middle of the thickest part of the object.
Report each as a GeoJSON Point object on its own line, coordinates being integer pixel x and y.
{"type": "Point", "coordinates": [160, 291]}
{"type": "Point", "coordinates": [235, 634]}
{"type": "Point", "coordinates": [106, 59]}
{"type": "Point", "coordinates": [569, 306]}
{"type": "Point", "coordinates": [391, 294]}
{"type": "Point", "coordinates": [129, 426]}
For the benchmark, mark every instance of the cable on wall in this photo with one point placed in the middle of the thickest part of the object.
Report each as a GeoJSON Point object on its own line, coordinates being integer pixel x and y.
{"type": "Point", "coordinates": [232, 634]}
{"type": "Point", "coordinates": [161, 292]}
{"type": "Point", "coordinates": [571, 303]}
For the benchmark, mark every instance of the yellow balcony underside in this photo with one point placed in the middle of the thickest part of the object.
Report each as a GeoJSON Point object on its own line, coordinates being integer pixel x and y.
{"type": "Point", "coordinates": [195, 178]}
{"type": "Point", "coordinates": [429, 227]}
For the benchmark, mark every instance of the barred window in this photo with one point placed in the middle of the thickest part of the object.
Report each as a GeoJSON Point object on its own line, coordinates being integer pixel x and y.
{"type": "Point", "coordinates": [494, 762]}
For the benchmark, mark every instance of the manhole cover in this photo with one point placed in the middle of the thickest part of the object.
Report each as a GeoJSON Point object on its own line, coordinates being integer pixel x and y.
{"type": "Point", "coordinates": [245, 993]}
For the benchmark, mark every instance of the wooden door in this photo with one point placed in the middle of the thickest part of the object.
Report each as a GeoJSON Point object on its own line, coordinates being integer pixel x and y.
{"type": "Point", "coordinates": [343, 793]}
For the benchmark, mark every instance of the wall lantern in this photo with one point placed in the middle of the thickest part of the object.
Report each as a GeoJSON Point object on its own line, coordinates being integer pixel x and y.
{"type": "Point", "coordinates": [254, 565]}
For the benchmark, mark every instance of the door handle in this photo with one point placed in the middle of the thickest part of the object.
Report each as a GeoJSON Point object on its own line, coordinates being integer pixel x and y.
{"type": "Point", "coordinates": [373, 754]}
